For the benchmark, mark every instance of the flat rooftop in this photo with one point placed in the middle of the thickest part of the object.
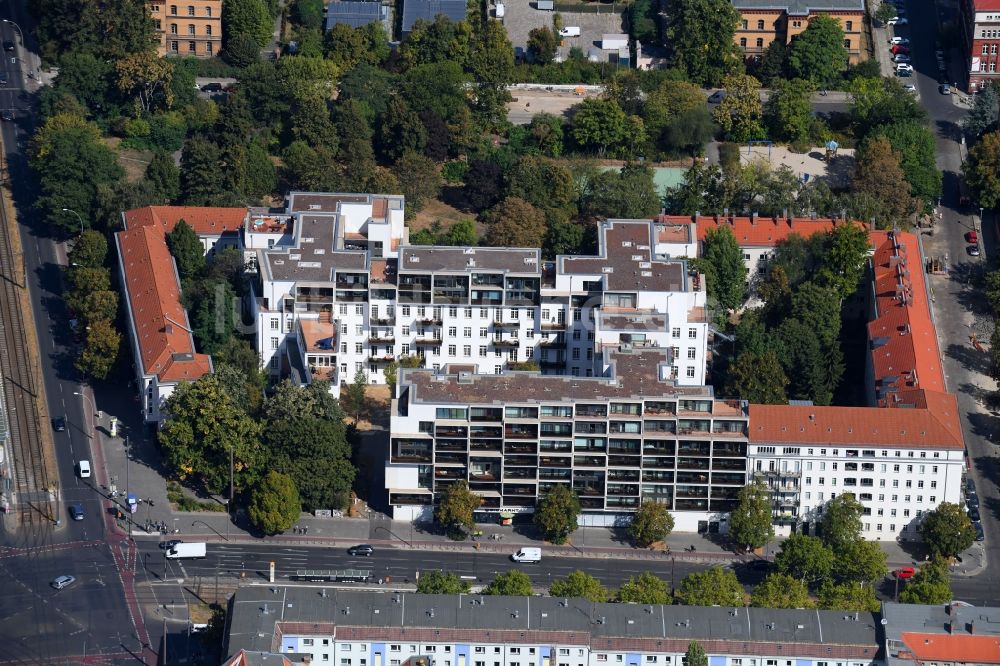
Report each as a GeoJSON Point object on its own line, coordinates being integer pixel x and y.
{"type": "Point", "coordinates": [463, 260]}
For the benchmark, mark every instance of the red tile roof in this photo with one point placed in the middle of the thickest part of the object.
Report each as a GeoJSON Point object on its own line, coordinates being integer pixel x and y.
{"type": "Point", "coordinates": [952, 648]}
{"type": "Point", "coordinates": [903, 342]}
{"type": "Point", "coordinates": [756, 231]}
{"type": "Point", "coordinates": [987, 5]}
{"type": "Point", "coordinates": [858, 426]}
{"type": "Point", "coordinates": [205, 221]}
{"type": "Point", "coordinates": [166, 348]}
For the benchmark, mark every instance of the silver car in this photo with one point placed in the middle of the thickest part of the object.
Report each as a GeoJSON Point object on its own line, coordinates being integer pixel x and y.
{"type": "Point", "coordinates": [63, 581]}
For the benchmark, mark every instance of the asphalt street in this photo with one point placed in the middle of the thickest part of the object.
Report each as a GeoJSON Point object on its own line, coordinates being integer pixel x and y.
{"type": "Point", "coordinates": [230, 561]}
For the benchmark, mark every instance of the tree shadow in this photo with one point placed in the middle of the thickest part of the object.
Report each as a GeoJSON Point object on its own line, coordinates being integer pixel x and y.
{"type": "Point", "coordinates": [970, 359]}
{"type": "Point", "coordinates": [838, 171]}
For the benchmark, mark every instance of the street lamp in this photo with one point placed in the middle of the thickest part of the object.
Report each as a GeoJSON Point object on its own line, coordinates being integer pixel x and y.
{"type": "Point", "coordinates": [92, 406]}
{"type": "Point", "coordinates": [981, 218]}
{"type": "Point", "coordinates": [70, 210]}
{"type": "Point", "coordinates": [16, 27]}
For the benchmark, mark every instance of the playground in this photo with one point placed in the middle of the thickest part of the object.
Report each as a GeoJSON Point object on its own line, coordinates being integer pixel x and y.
{"type": "Point", "coordinates": [832, 165]}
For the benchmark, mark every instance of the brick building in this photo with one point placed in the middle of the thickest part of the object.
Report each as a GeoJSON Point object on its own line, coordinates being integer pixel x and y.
{"type": "Point", "coordinates": [764, 21]}
{"type": "Point", "coordinates": [189, 28]}
{"type": "Point", "coordinates": [980, 32]}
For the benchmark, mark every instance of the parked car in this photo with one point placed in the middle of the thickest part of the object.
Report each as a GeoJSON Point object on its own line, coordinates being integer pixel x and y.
{"type": "Point", "coordinates": [898, 20]}
{"type": "Point", "coordinates": [980, 535]}
{"type": "Point", "coordinates": [361, 550]}
{"type": "Point", "coordinates": [570, 31]}
{"type": "Point", "coordinates": [59, 424]}
{"type": "Point", "coordinates": [717, 97]}
{"type": "Point", "coordinates": [944, 89]}
{"type": "Point", "coordinates": [901, 57]}
{"type": "Point", "coordinates": [972, 501]}
{"type": "Point", "coordinates": [8, 45]}
{"type": "Point", "coordinates": [904, 67]}
{"type": "Point", "coordinates": [901, 41]}
{"type": "Point", "coordinates": [904, 73]}
{"type": "Point", "coordinates": [909, 87]}
{"type": "Point", "coordinates": [62, 581]}
{"type": "Point", "coordinates": [970, 485]}
{"type": "Point", "coordinates": [212, 87]}
{"type": "Point", "coordinates": [971, 236]}
{"type": "Point", "coordinates": [973, 250]}
{"type": "Point", "coordinates": [974, 515]}
{"type": "Point", "coordinates": [899, 48]}
{"type": "Point", "coordinates": [7, 114]}
{"type": "Point", "coordinates": [903, 573]}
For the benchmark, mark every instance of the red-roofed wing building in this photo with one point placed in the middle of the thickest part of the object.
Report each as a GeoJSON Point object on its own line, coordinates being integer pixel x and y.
{"type": "Point", "coordinates": [903, 455]}
{"type": "Point", "coordinates": [953, 634]}
{"type": "Point", "coordinates": [162, 345]}
{"type": "Point", "coordinates": [980, 34]}
{"type": "Point", "coordinates": [218, 228]}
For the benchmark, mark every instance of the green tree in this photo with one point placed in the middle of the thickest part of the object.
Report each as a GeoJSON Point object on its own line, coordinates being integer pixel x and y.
{"type": "Point", "coordinates": [436, 581]}
{"type": "Point", "coordinates": [842, 522]}
{"type": "Point", "coordinates": [599, 124]}
{"type": "Point", "coordinates": [90, 250]}
{"type": "Point", "coordinates": [788, 112]}
{"type": "Point", "coordinates": [628, 193]}
{"type": "Point", "coordinates": [436, 41]}
{"type": "Point", "coordinates": [308, 13]}
{"type": "Point", "coordinates": [546, 132]}
{"type": "Point", "coordinates": [456, 507]}
{"type": "Point", "coordinates": [860, 562]}
{"type": "Point", "coordinates": [750, 522]}
{"type": "Point", "coordinates": [510, 584]}
{"type": "Point", "coordinates": [781, 591]}
{"type": "Point", "coordinates": [491, 62]}
{"type": "Point", "coordinates": [818, 308]}
{"type": "Point", "coordinates": [931, 584]}
{"type": "Point", "coordinates": [947, 530]}
{"type": "Point", "coordinates": [310, 120]}
{"type": "Point", "coordinates": [515, 223]}
{"type": "Point", "coordinates": [187, 249]}
{"type": "Point", "coordinates": [915, 144]}
{"type": "Point", "coordinates": [201, 172]}
{"type": "Point", "coordinates": [878, 174]}
{"type": "Point", "coordinates": [242, 50]}
{"type": "Point", "coordinates": [164, 176]}
{"type": "Point", "coordinates": [690, 25]}
{"type": "Point", "coordinates": [759, 379]}
{"type": "Point", "coordinates": [314, 452]}
{"type": "Point", "coordinates": [645, 588]}
{"type": "Point", "coordinates": [356, 396]}
{"type": "Point", "coordinates": [262, 176]}
{"type": "Point", "coordinates": [818, 53]}
{"type": "Point", "coordinates": [711, 587]}
{"type": "Point", "coordinates": [845, 259]}
{"type": "Point", "coordinates": [579, 584]}
{"type": "Point", "coordinates": [651, 522]}
{"type": "Point", "coordinates": [881, 101]}
{"type": "Point", "coordinates": [725, 272]}
{"type": "Point", "coordinates": [981, 117]}
{"type": "Point", "coordinates": [400, 132]}
{"type": "Point", "coordinates": [247, 17]}
{"type": "Point", "coordinates": [419, 180]}
{"type": "Point", "coordinates": [274, 504]}
{"type": "Point", "coordinates": [885, 11]}
{"type": "Point", "coordinates": [557, 512]}
{"type": "Point", "coordinates": [739, 114]}
{"type": "Point", "coordinates": [982, 170]}
{"type": "Point", "coordinates": [773, 65]}
{"type": "Point", "coordinates": [287, 401]}
{"type": "Point", "coordinates": [145, 78]}
{"type": "Point", "coordinates": [100, 351]}
{"type": "Point", "coordinates": [542, 45]}
{"type": "Point", "coordinates": [813, 370]}
{"type": "Point", "coordinates": [695, 655]}
{"type": "Point", "coordinates": [204, 426]}
{"type": "Point", "coordinates": [805, 558]}
{"type": "Point", "coordinates": [848, 597]}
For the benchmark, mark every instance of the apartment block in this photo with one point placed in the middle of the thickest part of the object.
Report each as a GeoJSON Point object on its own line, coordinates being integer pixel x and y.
{"type": "Point", "coordinates": [763, 22]}
{"type": "Point", "coordinates": [193, 28]}
{"type": "Point", "coordinates": [353, 628]}
{"type": "Point", "coordinates": [949, 634]}
{"type": "Point", "coordinates": [628, 433]}
{"type": "Point", "coordinates": [901, 456]}
{"type": "Point", "coordinates": [979, 30]}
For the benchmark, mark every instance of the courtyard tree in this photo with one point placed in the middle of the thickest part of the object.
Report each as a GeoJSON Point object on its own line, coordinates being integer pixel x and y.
{"type": "Point", "coordinates": [750, 523]}
{"type": "Point", "coordinates": [651, 523]}
{"type": "Point", "coordinates": [515, 223]}
{"type": "Point", "coordinates": [725, 272]}
{"type": "Point", "coordinates": [274, 503]}
{"type": "Point", "coordinates": [557, 512]}
{"type": "Point", "coordinates": [879, 175]}
{"type": "Point", "coordinates": [757, 378]}
{"type": "Point", "coordinates": [187, 250]}
{"type": "Point", "coordinates": [457, 506]}
{"type": "Point", "coordinates": [788, 111]}
{"type": "Point", "coordinates": [542, 44]}
{"type": "Point", "coordinates": [646, 588]}
{"type": "Point", "coordinates": [947, 530]}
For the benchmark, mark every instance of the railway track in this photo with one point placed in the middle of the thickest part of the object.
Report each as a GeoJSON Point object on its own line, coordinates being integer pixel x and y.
{"type": "Point", "coordinates": [30, 483]}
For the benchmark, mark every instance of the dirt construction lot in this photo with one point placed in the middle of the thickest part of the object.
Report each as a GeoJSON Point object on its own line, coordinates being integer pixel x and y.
{"type": "Point", "coordinates": [522, 18]}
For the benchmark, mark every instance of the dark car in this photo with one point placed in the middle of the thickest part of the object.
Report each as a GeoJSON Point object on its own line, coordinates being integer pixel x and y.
{"type": "Point", "coordinates": [3, 78]}
{"type": "Point", "coordinates": [212, 87]}
{"type": "Point", "coordinates": [974, 515]}
{"type": "Point", "coordinates": [167, 545]}
{"type": "Point", "coordinates": [970, 485]}
{"type": "Point", "coordinates": [59, 424]}
{"type": "Point", "coordinates": [7, 115]}
{"type": "Point", "coordinates": [717, 96]}
{"type": "Point", "coordinates": [980, 535]}
{"type": "Point", "coordinates": [361, 550]}
{"type": "Point", "coordinates": [8, 45]}
{"type": "Point", "coordinates": [973, 250]}
{"type": "Point", "coordinates": [972, 501]}
{"type": "Point", "coordinates": [76, 511]}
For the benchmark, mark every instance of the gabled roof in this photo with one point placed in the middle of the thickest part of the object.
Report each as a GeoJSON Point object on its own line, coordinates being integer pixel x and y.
{"type": "Point", "coordinates": [859, 426]}
{"type": "Point", "coordinates": [205, 221]}
{"type": "Point", "coordinates": [756, 231]}
{"type": "Point", "coordinates": [952, 649]}
{"type": "Point", "coordinates": [165, 346]}
{"type": "Point", "coordinates": [987, 5]}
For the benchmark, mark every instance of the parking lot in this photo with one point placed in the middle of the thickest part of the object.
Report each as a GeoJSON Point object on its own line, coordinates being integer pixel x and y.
{"type": "Point", "coordinates": [522, 17]}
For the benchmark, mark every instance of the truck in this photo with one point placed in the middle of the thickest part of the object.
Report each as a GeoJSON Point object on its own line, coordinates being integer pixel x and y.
{"type": "Point", "coordinates": [528, 555]}
{"type": "Point", "coordinates": [187, 551]}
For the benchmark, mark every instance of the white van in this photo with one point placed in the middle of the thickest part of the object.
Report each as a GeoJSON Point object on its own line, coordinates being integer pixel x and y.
{"type": "Point", "coordinates": [528, 555]}
{"type": "Point", "coordinates": [84, 466]}
{"type": "Point", "coordinates": [570, 31]}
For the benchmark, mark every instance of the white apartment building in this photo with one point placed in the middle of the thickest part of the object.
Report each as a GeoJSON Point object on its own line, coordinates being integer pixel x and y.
{"type": "Point", "coordinates": [354, 628]}
{"type": "Point", "coordinates": [340, 291]}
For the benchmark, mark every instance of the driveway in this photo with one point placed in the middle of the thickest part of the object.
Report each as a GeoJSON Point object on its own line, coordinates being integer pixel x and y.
{"type": "Point", "coordinates": [522, 17]}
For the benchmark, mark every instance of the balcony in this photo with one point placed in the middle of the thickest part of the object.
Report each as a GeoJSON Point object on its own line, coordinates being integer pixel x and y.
{"type": "Point", "coordinates": [447, 458]}
{"type": "Point", "coordinates": [516, 447]}
{"type": "Point", "coordinates": [624, 461]}
{"type": "Point", "coordinates": [451, 473]}
{"type": "Point", "coordinates": [381, 358]}
{"type": "Point", "coordinates": [773, 473]}
{"type": "Point", "coordinates": [482, 475]}
{"type": "Point", "coordinates": [505, 343]}
{"type": "Point", "coordinates": [383, 321]}
{"type": "Point", "coordinates": [589, 461]}
{"type": "Point", "coordinates": [427, 342]}
{"type": "Point", "coordinates": [660, 409]}
{"type": "Point", "coordinates": [521, 432]}
{"type": "Point", "coordinates": [450, 431]}
{"type": "Point", "coordinates": [589, 490]}
{"type": "Point", "coordinates": [429, 321]}
{"type": "Point", "coordinates": [557, 341]}
{"type": "Point", "coordinates": [555, 474]}
{"type": "Point", "coordinates": [487, 447]}
{"type": "Point", "coordinates": [554, 326]}
{"type": "Point", "coordinates": [506, 324]}
{"type": "Point", "coordinates": [550, 461]}
{"type": "Point", "coordinates": [382, 338]}
{"type": "Point", "coordinates": [518, 473]}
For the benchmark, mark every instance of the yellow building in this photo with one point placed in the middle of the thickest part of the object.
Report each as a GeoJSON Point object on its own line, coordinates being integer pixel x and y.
{"type": "Point", "coordinates": [764, 21]}
{"type": "Point", "coordinates": [188, 27]}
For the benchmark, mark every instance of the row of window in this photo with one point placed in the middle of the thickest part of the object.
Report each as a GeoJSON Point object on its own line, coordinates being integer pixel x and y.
{"type": "Point", "coordinates": [192, 47]}
{"type": "Point", "coordinates": [848, 25]}
{"type": "Point", "coordinates": [989, 49]}
{"type": "Point", "coordinates": [190, 11]}
{"type": "Point", "coordinates": [868, 483]}
{"type": "Point", "coordinates": [850, 453]}
{"type": "Point", "coordinates": [190, 29]}
{"type": "Point", "coordinates": [760, 45]}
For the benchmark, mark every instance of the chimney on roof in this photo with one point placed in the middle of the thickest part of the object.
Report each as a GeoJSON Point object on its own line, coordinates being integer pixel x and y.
{"type": "Point", "coordinates": [949, 626]}
{"type": "Point", "coordinates": [972, 626]}
{"type": "Point", "coordinates": [168, 329]}
{"type": "Point", "coordinates": [784, 214]}
{"type": "Point", "coordinates": [753, 218]}
{"type": "Point", "coordinates": [812, 417]}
